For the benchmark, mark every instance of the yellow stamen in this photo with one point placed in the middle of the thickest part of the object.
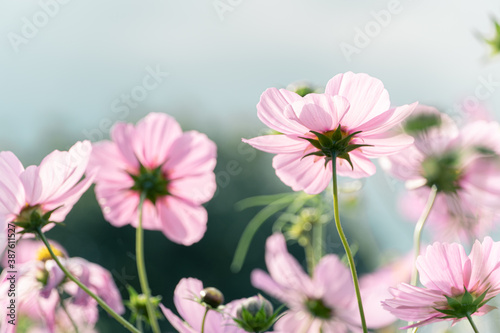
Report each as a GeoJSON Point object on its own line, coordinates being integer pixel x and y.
{"type": "Point", "coordinates": [43, 254]}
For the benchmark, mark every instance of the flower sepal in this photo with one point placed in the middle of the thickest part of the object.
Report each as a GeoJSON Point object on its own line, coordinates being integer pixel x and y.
{"type": "Point", "coordinates": [255, 314]}
{"type": "Point", "coordinates": [31, 219]}
{"type": "Point", "coordinates": [463, 305]}
{"type": "Point", "coordinates": [333, 144]}
{"type": "Point", "coordinates": [137, 305]}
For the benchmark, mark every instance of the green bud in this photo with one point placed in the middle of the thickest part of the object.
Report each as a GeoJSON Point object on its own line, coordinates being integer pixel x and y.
{"type": "Point", "coordinates": [255, 314]}
{"type": "Point", "coordinates": [212, 297]}
{"type": "Point", "coordinates": [137, 305]}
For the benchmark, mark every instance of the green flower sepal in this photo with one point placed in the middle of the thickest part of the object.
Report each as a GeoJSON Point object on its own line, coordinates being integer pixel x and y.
{"type": "Point", "coordinates": [333, 144]}
{"type": "Point", "coordinates": [463, 305]}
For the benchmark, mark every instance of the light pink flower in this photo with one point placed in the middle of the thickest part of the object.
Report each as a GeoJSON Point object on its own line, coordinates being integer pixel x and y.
{"type": "Point", "coordinates": [38, 280]}
{"type": "Point", "coordinates": [55, 184]}
{"type": "Point", "coordinates": [326, 301]}
{"type": "Point", "coordinates": [356, 103]}
{"type": "Point", "coordinates": [191, 312]}
{"type": "Point", "coordinates": [445, 270]}
{"type": "Point", "coordinates": [464, 165]}
{"type": "Point", "coordinates": [174, 168]}
{"type": "Point", "coordinates": [374, 288]}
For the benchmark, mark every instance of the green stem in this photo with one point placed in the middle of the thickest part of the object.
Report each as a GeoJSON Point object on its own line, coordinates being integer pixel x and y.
{"type": "Point", "coordinates": [61, 302]}
{"type": "Point", "coordinates": [317, 241]}
{"type": "Point", "coordinates": [203, 321]}
{"type": "Point", "coordinates": [417, 235]}
{"type": "Point", "coordinates": [346, 244]}
{"type": "Point", "coordinates": [308, 248]}
{"type": "Point", "coordinates": [141, 268]}
{"type": "Point", "coordinates": [138, 324]}
{"type": "Point", "coordinates": [472, 323]}
{"type": "Point", "coordinates": [99, 300]}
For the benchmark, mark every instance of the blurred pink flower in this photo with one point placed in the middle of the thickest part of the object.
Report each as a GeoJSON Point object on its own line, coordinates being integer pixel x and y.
{"type": "Point", "coordinates": [352, 102]}
{"type": "Point", "coordinates": [446, 271]}
{"type": "Point", "coordinates": [326, 301]}
{"type": "Point", "coordinates": [175, 169]}
{"type": "Point", "coordinates": [464, 165]}
{"type": "Point", "coordinates": [39, 280]}
{"type": "Point", "coordinates": [185, 295]}
{"type": "Point", "coordinates": [55, 184]}
{"type": "Point", "coordinates": [375, 286]}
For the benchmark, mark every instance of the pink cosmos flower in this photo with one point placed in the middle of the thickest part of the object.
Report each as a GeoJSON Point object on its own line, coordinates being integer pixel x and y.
{"type": "Point", "coordinates": [173, 168]}
{"type": "Point", "coordinates": [56, 184]}
{"type": "Point", "coordinates": [324, 302]}
{"type": "Point", "coordinates": [464, 165]}
{"type": "Point", "coordinates": [445, 270]}
{"type": "Point", "coordinates": [39, 280]}
{"type": "Point", "coordinates": [185, 295]}
{"type": "Point", "coordinates": [355, 104]}
{"type": "Point", "coordinates": [375, 286]}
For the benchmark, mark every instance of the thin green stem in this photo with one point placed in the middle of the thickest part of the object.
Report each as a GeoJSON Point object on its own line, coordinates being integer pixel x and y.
{"type": "Point", "coordinates": [417, 234]}
{"type": "Point", "coordinates": [472, 323]}
{"type": "Point", "coordinates": [203, 321]}
{"type": "Point", "coordinates": [141, 268]}
{"type": "Point", "coordinates": [345, 243]}
{"type": "Point", "coordinates": [308, 248]}
{"type": "Point", "coordinates": [99, 300]}
{"type": "Point", "coordinates": [61, 302]}
{"type": "Point", "coordinates": [138, 324]}
{"type": "Point", "coordinates": [317, 241]}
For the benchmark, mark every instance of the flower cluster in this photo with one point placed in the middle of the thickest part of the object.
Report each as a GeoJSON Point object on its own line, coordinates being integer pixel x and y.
{"type": "Point", "coordinates": [154, 176]}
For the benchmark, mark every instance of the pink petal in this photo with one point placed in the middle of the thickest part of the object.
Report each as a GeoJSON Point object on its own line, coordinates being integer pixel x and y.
{"type": "Point", "coordinates": [308, 174]}
{"type": "Point", "coordinates": [261, 280]}
{"type": "Point", "coordinates": [123, 135]}
{"type": "Point", "coordinates": [118, 205]}
{"type": "Point", "coordinates": [182, 222]}
{"type": "Point", "coordinates": [108, 163]}
{"type": "Point", "coordinates": [366, 95]}
{"type": "Point", "coordinates": [318, 112]}
{"type": "Point", "coordinates": [283, 267]}
{"type": "Point", "coordinates": [384, 146]}
{"type": "Point", "coordinates": [271, 107]}
{"type": "Point", "coordinates": [12, 196]}
{"type": "Point", "coordinates": [191, 154]}
{"type": "Point", "coordinates": [362, 166]}
{"type": "Point", "coordinates": [339, 294]}
{"type": "Point", "coordinates": [441, 268]}
{"type": "Point", "coordinates": [278, 144]}
{"type": "Point", "coordinates": [197, 189]}
{"type": "Point", "coordinates": [153, 138]}
{"type": "Point", "coordinates": [386, 120]}
{"type": "Point", "coordinates": [176, 322]}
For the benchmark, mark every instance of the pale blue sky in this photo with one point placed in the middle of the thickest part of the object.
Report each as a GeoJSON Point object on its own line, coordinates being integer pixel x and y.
{"type": "Point", "coordinates": [70, 76]}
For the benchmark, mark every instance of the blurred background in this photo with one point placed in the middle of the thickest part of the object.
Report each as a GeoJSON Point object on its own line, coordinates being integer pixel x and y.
{"type": "Point", "coordinates": [70, 69]}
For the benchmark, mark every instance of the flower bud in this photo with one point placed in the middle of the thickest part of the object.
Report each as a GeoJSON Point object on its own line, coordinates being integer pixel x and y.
{"type": "Point", "coordinates": [255, 314]}
{"type": "Point", "coordinates": [212, 297]}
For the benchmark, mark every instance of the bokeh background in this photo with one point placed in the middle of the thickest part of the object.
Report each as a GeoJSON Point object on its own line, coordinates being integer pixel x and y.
{"type": "Point", "coordinates": [71, 76]}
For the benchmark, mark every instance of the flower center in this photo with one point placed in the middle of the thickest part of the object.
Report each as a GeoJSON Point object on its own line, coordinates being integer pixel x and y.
{"type": "Point", "coordinates": [443, 172]}
{"type": "Point", "coordinates": [333, 144]}
{"type": "Point", "coordinates": [151, 182]}
{"type": "Point", "coordinates": [421, 123]}
{"type": "Point", "coordinates": [43, 254]}
{"type": "Point", "coordinates": [318, 309]}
